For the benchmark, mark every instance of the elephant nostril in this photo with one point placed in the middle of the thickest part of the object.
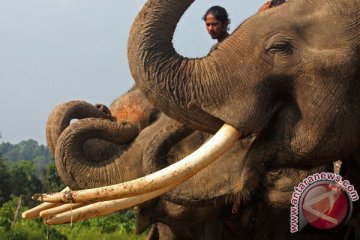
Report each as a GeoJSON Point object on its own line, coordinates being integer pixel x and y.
{"type": "Point", "coordinates": [103, 108]}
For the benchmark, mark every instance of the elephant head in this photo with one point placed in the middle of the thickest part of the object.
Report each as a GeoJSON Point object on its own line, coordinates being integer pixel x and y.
{"type": "Point", "coordinates": [134, 107]}
{"type": "Point", "coordinates": [289, 75]}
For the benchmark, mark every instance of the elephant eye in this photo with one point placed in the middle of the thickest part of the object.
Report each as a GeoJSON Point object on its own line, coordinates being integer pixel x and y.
{"type": "Point", "coordinates": [284, 48]}
{"type": "Point", "coordinates": [153, 116]}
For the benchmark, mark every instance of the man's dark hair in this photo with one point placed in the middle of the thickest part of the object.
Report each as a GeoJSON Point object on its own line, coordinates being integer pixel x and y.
{"type": "Point", "coordinates": [218, 12]}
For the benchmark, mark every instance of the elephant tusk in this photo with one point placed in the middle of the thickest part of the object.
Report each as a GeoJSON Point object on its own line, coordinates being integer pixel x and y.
{"type": "Point", "coordinates": [172, 175]}
{"type": "Point", "coordinates": [34, 212]}
{"type": "Point", "coordinates": [102, 208]}
{"type": "Point", "coordinates": [60, 209]}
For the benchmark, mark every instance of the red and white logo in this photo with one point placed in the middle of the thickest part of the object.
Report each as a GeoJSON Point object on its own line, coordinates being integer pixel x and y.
{"type": "Point", "coordinates": [325, 205]}
{"type": "Point", "coordinates": [322, 200]}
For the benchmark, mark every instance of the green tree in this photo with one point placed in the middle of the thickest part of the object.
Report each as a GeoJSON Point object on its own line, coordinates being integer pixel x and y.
{"type": "Point", "coordinates": [7, 212]}
{"type": "Point", "coordinates": [9, 151]}
{"type": "Point", "coordinates": [28, 150]}
{"type": "Point", "coordinates": [5, 147]}
{"type": "Point", "coordinates": [54, 182]}
{"type": "Point", "coordinates": [23, 180]}
{"type": "Point", "coordinates": [12, 227]}
{"type": "Point", "coordinates": [4, 182]}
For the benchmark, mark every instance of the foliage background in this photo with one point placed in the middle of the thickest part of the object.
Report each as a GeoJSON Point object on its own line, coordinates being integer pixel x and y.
{"type": "Point", "coordinates": [27, 168]}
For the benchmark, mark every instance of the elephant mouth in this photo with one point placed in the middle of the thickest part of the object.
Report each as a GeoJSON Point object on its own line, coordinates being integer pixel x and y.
{"type": "Point", "coordinates": [124, 195]}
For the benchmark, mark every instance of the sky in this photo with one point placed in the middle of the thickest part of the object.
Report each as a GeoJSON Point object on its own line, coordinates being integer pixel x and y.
{"type": "Point", "coordinates": [55, 51]}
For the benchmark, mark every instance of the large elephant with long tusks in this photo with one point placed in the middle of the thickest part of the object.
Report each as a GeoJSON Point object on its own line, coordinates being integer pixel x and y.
{"type": "Point", "coordinates": [185, 212]}
{"type": "Point", "coordinates": [289, 75]}
{"type": "Point", "coordinates": [81, 147]}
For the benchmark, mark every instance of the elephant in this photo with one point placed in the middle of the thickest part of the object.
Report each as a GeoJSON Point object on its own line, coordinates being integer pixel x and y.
{"type": "Point", "coordinates": [169, 216]}
{"type": "Point", "coordinates": [289, 77]}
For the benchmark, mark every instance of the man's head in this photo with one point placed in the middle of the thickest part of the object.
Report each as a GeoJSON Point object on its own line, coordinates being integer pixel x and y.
{"type": "Point", "coordinates": [217, 21]}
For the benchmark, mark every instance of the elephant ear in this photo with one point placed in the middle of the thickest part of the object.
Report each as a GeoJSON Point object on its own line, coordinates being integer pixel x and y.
{"type": "Point", "coordinates": [217, 181]}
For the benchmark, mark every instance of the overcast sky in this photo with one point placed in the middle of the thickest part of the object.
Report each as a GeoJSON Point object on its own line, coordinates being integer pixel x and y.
{"type": "Point", "coordinates": [54, 51]}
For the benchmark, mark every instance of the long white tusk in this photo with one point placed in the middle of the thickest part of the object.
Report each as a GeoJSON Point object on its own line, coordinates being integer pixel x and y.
{"type": "Point", "coordinates": [60, 209]}
{"type": "Point", "coordinates": [173, 175]}
{"type": "Point", "coordinates": [103, 208]}
{"type": "Point", "coordinates": [34, 212]}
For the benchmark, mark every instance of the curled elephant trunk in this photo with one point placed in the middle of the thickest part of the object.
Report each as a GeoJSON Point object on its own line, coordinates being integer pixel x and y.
{"type": "Point", "coordinates": [95, 144]}
{"type": "Point", "coordinates": [80, 170]}
{"type": "Point", "coordinates": [166, 178]}
{"type": "Point", "coordinates": [61, 116]}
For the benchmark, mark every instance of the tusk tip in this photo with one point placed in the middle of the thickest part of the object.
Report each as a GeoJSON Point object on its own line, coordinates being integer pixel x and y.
{"type": "Point", "coordinates": [29, 215]}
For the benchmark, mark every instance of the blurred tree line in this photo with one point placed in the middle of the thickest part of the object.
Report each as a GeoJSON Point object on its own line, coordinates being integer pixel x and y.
{"type": "Point", "coordinates": [27, 168]}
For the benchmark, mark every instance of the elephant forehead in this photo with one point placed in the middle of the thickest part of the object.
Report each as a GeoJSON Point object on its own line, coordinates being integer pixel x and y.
{"type": "Point", "coordinates": [131, 106]}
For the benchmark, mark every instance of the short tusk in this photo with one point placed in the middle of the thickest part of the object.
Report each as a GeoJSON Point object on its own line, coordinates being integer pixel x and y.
{"type": "Point", "coordinates": [102, 208]}
{"type": "Point", "coordinates": [172, 175]}
{"type": "Point", "coordinates": [60, 209]}
{"type": "Point", "coordinates": [34, 212]}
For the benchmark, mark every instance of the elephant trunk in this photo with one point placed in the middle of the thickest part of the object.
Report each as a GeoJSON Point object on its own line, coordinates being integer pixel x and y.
{"type": "Point", "coordinates": [80, 170]}
{"type": "Point", "coordinates": [61, 116]}
{"type": "Point", "coordinates": [179, 86]}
